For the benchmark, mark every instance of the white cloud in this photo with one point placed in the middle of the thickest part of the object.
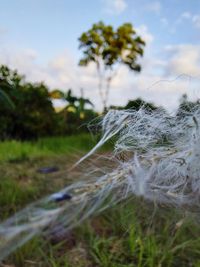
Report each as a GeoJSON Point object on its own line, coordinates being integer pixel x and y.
{"type": "Point", "coordinates": [143, 31]}
{"type": "Point", "coordinates": [2, 31]}
{"type": "Point", "coordinates": [114, 7]}
{"type": "Point", "coordinates": [31, 54]}
{"type": "Point", "coordinates": [186, 15]}
{"type": "Point", "coordinates": [154, 7]}
{"type": "Point", "coordinates": [184, 59]}
{"type": "Point", "coordinates": [148, 63]}
{"type": "Point", "coordinates": [164, 92]}
{"type": "Point", "coordinates": [164, 22]}
{"type": "Point", "coordinates": [196, 21]}
{"type": "Point", "coordinates": [193, 18]}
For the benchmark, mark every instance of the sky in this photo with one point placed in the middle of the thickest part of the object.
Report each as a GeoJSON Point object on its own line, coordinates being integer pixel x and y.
{"type": "Point", "coordinates": [39, 38]}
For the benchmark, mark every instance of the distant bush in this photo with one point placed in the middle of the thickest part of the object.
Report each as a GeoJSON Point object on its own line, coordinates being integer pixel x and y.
{"type": "Point", "coordinates": [32, 114]}
{"type": "Point", "coordinates": [136, 104]}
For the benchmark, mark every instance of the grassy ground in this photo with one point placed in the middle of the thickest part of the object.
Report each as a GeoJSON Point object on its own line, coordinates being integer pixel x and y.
{"type": "Point", "coordinates": [134, 233]}
{"type": "Point", "coordinates": [15, 151]}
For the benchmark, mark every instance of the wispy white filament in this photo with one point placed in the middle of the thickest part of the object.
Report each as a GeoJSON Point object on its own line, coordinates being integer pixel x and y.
{"type": "Point", "coordinates": [155, 155]}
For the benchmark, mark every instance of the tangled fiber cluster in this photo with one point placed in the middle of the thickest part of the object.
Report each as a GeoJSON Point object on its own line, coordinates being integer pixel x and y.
{"type": "Point", "coordinates": [155, 156]}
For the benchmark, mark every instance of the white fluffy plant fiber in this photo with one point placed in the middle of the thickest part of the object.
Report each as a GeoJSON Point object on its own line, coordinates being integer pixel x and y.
{"type": "Point", "coordinates": [164, 163]}
{"type": "Point", "coordinates": [156, 156]}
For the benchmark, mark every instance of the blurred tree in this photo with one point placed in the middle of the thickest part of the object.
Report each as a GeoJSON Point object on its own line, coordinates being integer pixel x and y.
{"type": "Point", "coordinates": [82, 102]}
{"type": "Point", "coordinates": [76, 103]}
{"type": "Point", "coordinates": [36, 116]}
{"type": "Point", "coordinates": [108, 49]}
{"type": "Point", "coordinates": [186, 106]}
{"type": "Point", "coordinates": [9, 80]}
{"type": "Point", "coordinates": [33, 115]}
{"type": "Point", "coordinates": [75, 114]}
{"type": "Point", "coordinates": [4, 98]}
{"type": "Point", "coordinates": [67, 97]}
{"type": "Point", "coordinates": [70, 98]}
{"type": "Point", "coordinates": [27, 112]}
{"type": "Point", "coordinates": [138, 103]}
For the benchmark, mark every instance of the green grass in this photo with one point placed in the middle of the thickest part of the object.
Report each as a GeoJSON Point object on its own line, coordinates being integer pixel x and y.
{"type": "Point", "coordinates": [135, 233]}
{"type": "Point", "coordinates": [16, 151]}
{"type": "Point", "coordinates": [120, 237]}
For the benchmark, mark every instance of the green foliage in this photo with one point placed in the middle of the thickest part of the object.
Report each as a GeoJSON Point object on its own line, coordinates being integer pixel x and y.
{"type": "Point", "coordinates": [78, 103]}
{"type": "Point", "coordinates": [108, 49]}
{"type": "Point", "coordinates": [26, 110]}
{"type": "Point", "coordinates": [33, 114]}
{"type": "Point", "coordinates": [5, 100]}
{"type": "Point", "coordinates": [101, 42]}
{"type": "Point", "coordinates": [139, 103]}
{"type": "Point", "coordinates": [136, 104]}
{"type": "Point", "coordinates": [74, 116]}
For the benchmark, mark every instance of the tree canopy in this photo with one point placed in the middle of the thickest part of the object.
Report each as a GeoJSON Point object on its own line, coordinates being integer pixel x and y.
{"type": "Point", "coordinates": [108, 49]}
